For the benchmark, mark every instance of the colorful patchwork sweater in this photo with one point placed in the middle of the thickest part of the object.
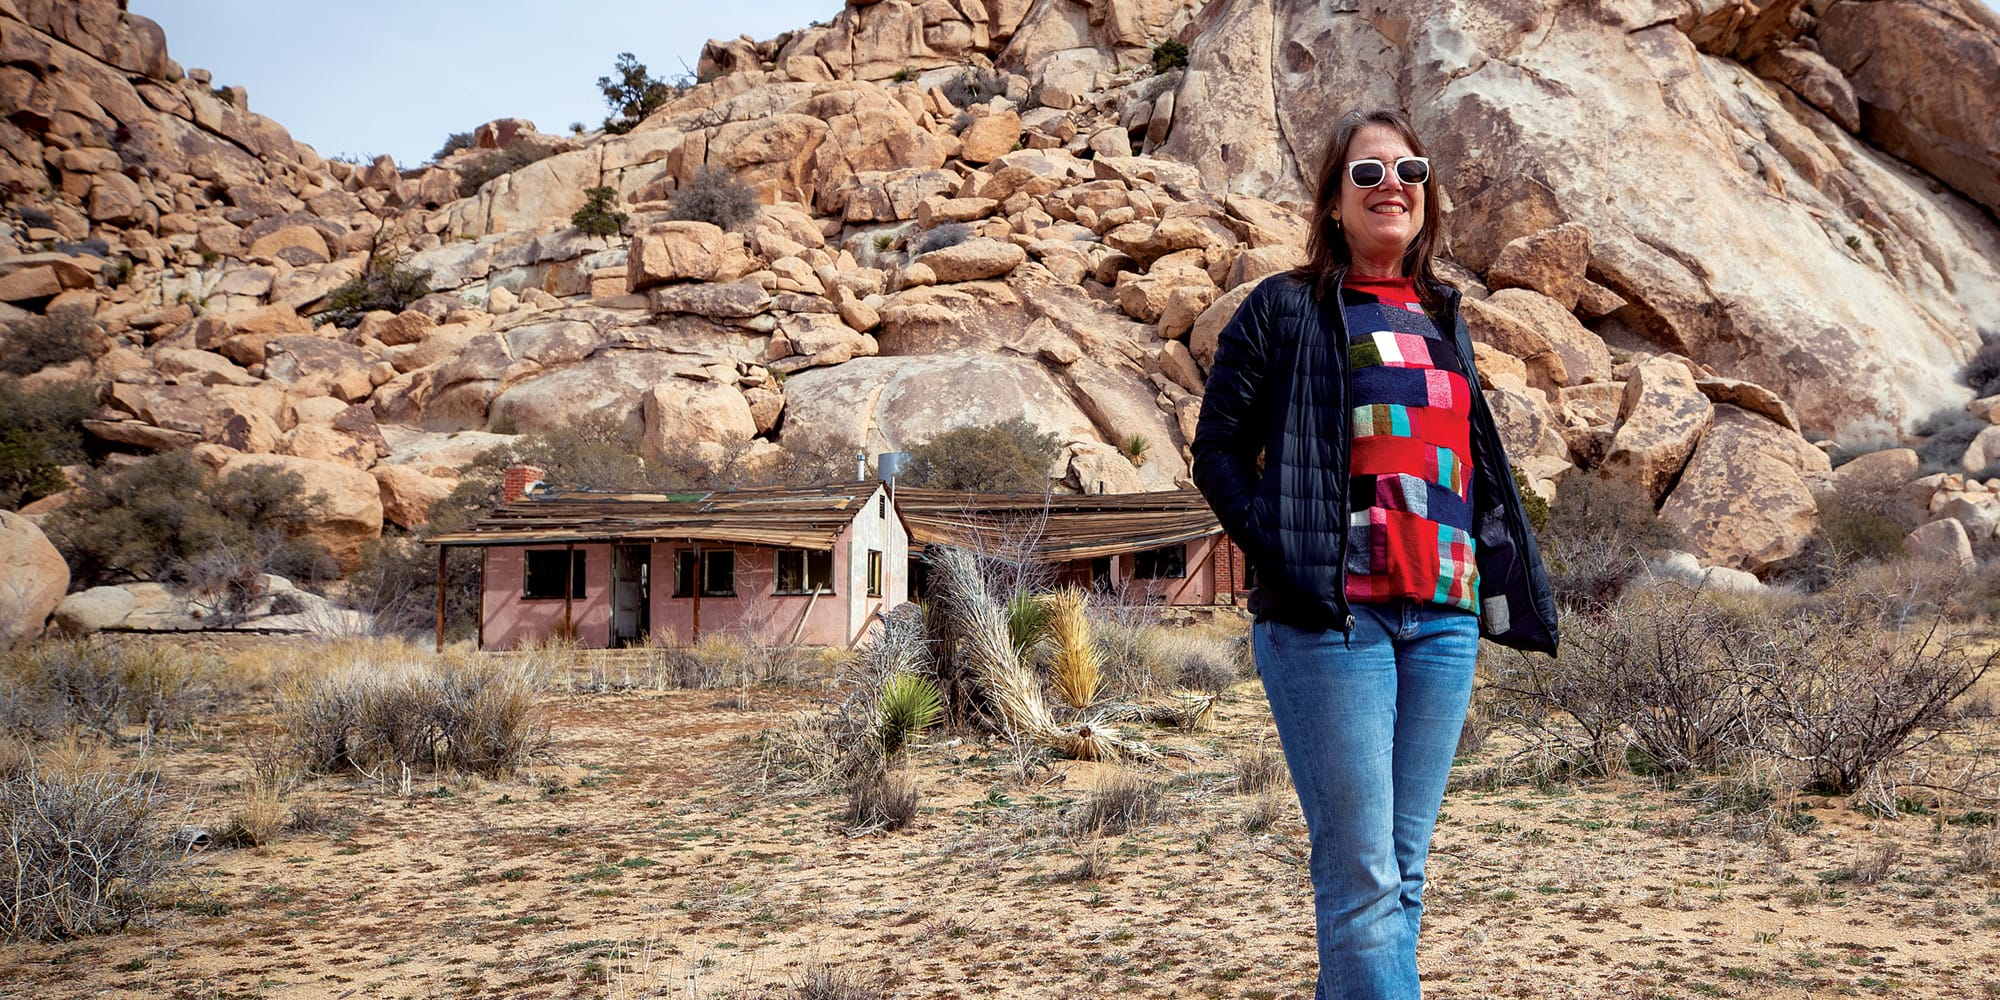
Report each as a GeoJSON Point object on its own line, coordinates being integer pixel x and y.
{"type": "Point", "coordinates": [1410, 531]}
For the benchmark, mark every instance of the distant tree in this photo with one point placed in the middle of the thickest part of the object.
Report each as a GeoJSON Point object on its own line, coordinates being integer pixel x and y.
{"type": "Point", "coordinates": [631, 94]}
{"type": "Point", "coordinates": [596, 217]}
{"type": "Point", "coordinates": [452, 144]}
{"type": "Point", "coordinates": [1012, 456]}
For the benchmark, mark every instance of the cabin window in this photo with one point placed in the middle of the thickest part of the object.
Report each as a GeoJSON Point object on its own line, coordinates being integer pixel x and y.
{"type": "Point", "coordinates": [803, 571]}
{"type": "Point", "coordinates": [715, 569]}
{"type": "Point", "coordinates": [1168, 563]}
{"type": "Point", "coordinates": [543, 578]}
{"type": "Point", "coordinates": [882, 505]}
{"type": "Point", "coordinates": [874, 573]}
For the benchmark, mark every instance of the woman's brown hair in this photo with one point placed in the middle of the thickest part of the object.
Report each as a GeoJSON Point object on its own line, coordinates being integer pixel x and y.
{"type": "Point", "coordinates": [1327, 254]}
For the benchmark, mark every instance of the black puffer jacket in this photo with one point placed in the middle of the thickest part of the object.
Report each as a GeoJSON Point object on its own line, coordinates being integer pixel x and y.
{"type": "Point", "coordinates": [1279, 387]}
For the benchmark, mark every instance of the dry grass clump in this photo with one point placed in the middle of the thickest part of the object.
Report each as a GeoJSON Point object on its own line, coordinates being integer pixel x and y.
{"type": "Point", "coordinates": [719, 660]}
{"type": "Point", "coordinates": [1125, 802]}
{"type": "Point", "coordinates": [1144, 660]}
{"type": "Point", "coordinates": [879, 799]}
{"type": "Point", "coordinates": [50, 687]}
{"type": "Point", "coordinates": [824, 982]}
{"type": "Point", "coordinates": [81, 846]}
{"type": "Point", "coordinates": [1260, 770]}
{"type": "Point", "coordinates": [457, 712]}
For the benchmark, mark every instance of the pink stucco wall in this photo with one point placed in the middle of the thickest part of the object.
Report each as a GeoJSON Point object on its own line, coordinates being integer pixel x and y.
{"type": "Point", "coordinates": [512, 619]}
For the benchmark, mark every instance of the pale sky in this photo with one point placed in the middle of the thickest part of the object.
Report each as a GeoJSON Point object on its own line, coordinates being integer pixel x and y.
{"type": "Point", "coordinates": [361, 77]}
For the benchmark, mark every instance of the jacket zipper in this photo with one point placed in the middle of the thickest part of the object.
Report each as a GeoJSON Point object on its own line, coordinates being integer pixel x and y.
{"type": "Point", "coordinates": [1344, 458]}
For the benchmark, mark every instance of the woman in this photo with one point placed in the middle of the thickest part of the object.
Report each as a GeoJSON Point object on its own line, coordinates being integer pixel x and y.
{"type": "Point", "coordinates": [1384, 530]}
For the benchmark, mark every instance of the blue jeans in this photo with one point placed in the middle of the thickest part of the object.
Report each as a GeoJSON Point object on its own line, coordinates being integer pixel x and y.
{"type": "Point", "coordinates": [1369, 726]}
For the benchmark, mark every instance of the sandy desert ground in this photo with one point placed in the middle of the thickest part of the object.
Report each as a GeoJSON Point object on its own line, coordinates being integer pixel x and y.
{"type": "Point", "coordinates": [648, 858]}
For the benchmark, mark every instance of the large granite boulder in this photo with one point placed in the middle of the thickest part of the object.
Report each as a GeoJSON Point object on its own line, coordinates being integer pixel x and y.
{"type": "Point", "coordinates": [1663, 417]}
{"type": "Point", "coordinates": [87, 612]}
{"type": "Point", "coordinates": [1746, 498]}
{"type": "Point", "coordinates": [33, 577]}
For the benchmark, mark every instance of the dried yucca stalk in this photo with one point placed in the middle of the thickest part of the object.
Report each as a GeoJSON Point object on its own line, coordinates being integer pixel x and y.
{"type": "Point", "coordinates": [983, 644]}
{"type": "Point", "coordinates": [1077, 668]}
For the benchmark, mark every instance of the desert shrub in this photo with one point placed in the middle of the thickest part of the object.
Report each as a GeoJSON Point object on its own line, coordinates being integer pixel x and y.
{"type": "Point", "coordinates": [1856, 527]}
{"type": "Point", "coordinates": [950, 234]}
{"type": "Point", "coordinates": [1842, 693]}
{"type": "Point", "coordinates": [1599, 533]}
{"type": "Point", "coordinates": [881, 799]}
{"type": "Point", "coordinates": [714, 196]}
{"type": "Point", "coordinates": [452, 144]}
{"type": "Point", "coordinates": [632, 94]}
{"type": "Point", "coordinates": [80, 848]}
{"type": "Point", "coordinates": [1532, 503]}
{"type": "Point", "coordinates": [1008, 457]}
{"type": "Point", "coordinates": [102, 685]}
{"type": "Point", "coordinates": [37, 342]}
{"type": "Point", "coordinates": [1946, 434]}
{"type": "Point", "coordinates": [1125, 802]}
{"type": "Point", "coordinates": [384, 283]}
{"type": "Point", "coordinates": [41, 430]}
{"type": "Point", "coordinates": [1982, 370]}
{"type": "Point", "coordinates": [1169, 55]}
{"type": "Point", "coordinates": [478, 170]}
{"type": "Point", "coordinates": [597, 217]}
{"type": "Point", "coordinates": [164, 513]}
{"type": "Point", "coordinates": [453, 713]}
{"type": "Point", "coordinates": [1205, 666]}
{"type": "Point", "coordinates": [975, 85]}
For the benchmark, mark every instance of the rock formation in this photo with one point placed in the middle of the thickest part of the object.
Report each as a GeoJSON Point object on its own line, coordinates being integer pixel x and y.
{"type": "Point", "coordinates": [1688, 235]}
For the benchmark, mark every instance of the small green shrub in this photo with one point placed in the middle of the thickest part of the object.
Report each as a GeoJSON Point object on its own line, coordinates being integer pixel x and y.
{"type": "Point", "coordinates": [474, 174]}
{"type": "Point", "coordinates": [1982, 371]}
{"type": "Point", "coordinates": [452, 144]}
{"type": "Point", "coordinates": [41, 430]}
{"type": "Point", "coordinates": [908, 704]}
{"type": "Point", "coordinates": [950, 234]}
{"type": "Point", "coordinates": [632, 94]}
{"type": "Point", "coordinates": [714, 196]}
{"type": "Point", "coordinates": [596, 217]}
{"type": "Point", "coordinates": [383, 284]}
{"type": "Point", "coordinates": [39, 342]}
{"type": "Point", "coordinates": [1008, 457]}
{"type": "Point", "coordinates": [160, 515]}
{"type": "Point", "coordinates": [1169, 55]}
{"type": "Point", "coordinates": [1947, 432]}
{"type": "Point", "coordinates": [1537, 508]}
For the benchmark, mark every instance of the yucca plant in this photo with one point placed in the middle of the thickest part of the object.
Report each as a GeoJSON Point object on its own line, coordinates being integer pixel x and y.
{"type": "Point", "coordinates": [908, 704]}
{"type": "Point", "coordinates": [1027, 623]}
{"type": "Point", "coordinates": [1076, 669]}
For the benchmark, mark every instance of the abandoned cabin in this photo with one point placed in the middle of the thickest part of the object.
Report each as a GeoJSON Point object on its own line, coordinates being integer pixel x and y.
{"type": "Point", "coordinates": [808, 565]}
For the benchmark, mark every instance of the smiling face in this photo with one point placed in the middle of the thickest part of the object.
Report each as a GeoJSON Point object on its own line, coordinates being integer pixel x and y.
{"type": "Point", "coordinates": [1379, 222]}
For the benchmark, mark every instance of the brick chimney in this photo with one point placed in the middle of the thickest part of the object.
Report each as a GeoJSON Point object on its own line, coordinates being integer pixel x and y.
{"type": "Point", "coordinates": [516, 480]}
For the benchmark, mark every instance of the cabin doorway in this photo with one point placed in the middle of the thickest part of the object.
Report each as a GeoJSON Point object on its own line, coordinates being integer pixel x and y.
{"type": "Point", "coordinates": [631, 599]}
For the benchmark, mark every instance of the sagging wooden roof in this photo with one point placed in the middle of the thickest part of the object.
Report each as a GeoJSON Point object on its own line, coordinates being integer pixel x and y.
{"type": "Point", "coordinates": [1056, 527]}
{"type": "Point", "coordinates": [810, 518]}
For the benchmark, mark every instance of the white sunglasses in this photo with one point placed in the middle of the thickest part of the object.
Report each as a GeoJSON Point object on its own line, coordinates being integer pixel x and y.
{"type": "Point", "coordinates": [1411, 170]}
